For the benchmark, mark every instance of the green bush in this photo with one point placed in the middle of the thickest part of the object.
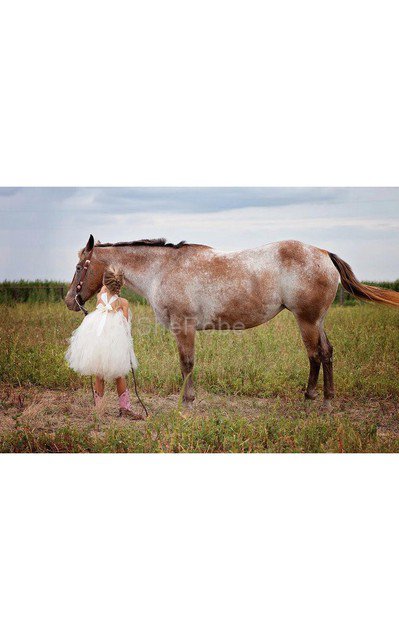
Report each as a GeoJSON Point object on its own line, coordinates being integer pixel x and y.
{"type": "Point", "coordinates": [45, 291]}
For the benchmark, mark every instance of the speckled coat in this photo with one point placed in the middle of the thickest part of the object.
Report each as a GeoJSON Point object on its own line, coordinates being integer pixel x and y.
{"type": "Point", "coordinates": [194, 287]}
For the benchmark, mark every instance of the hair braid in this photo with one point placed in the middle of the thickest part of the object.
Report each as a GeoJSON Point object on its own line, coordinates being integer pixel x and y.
{"type": "Point", "coordinates": [113, 280]}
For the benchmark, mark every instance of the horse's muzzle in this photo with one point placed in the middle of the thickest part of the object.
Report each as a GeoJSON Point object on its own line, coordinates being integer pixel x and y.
{"type": "Point", "coordinates": [71, 303]}
{"type": "Point", "coordinates": [80, 304]}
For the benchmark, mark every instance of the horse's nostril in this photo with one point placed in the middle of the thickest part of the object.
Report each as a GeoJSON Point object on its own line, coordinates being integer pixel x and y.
{"type": "Point", "coordinates": [70, 303]}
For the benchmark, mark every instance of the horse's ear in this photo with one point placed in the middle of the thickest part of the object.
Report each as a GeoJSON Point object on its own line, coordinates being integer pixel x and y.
{"type": "Point", "coordinates": [90, 244]}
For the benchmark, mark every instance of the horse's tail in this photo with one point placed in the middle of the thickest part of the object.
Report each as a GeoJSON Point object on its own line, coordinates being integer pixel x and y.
{"type": "Point", "coordinates": [363, 291]}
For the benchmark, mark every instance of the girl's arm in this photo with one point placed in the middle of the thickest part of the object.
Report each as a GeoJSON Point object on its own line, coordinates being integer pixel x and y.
{"type": "Point", "coordinates": [99, 294]}
{"type": "Point", "coordinates": [125, 308]}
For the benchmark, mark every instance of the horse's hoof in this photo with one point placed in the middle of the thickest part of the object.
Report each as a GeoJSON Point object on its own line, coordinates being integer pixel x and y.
{"type": "Point", "coordinates": [188, 404]}
{"type": "Point", "coordinates": [311, 395]}
{"type": "Point", "coordinates": [186, 409]}
{"type": "Point", "coordinates": [327, 406]}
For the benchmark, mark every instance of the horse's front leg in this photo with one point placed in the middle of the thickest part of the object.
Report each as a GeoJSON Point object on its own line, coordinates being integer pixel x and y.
{"type": "Point", "coordinates": [184, 331]}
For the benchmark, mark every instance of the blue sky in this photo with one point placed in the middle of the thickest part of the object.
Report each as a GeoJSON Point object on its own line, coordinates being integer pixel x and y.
{"type": "Point", "coordinates": [41, 229]}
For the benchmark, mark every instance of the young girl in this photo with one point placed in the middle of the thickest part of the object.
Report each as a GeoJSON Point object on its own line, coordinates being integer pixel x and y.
{"type": "Point", "coordinates": [102, 345]}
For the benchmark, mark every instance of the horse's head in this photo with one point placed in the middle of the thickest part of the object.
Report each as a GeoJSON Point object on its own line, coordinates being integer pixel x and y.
{"type": "Point", "coordinates": [87, 279]}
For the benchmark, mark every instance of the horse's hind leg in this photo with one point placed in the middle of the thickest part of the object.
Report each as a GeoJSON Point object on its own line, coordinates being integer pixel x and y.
{"type": "Point", "coordinates": [320, 353]}
{"type": "Point", "coordinates": [311, 337]}
{"type": "Point", "coordinates": [185, 336]}
{"type": "Point", "coordinates": [314, 364]}
{"type": "Point", "coordinates": [327, 361]}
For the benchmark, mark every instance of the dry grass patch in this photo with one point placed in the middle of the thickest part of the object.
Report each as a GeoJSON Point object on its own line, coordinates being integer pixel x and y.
{"type": "Point", "coordinates": [63, 421]}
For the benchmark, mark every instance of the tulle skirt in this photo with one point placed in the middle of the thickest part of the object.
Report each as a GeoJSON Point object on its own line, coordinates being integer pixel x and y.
{"type": "Point", "coordinates": [110, 354]}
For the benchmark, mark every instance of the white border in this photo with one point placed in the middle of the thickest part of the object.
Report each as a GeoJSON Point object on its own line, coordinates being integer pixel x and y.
{"type": "Point", "coordinates": [154, 93]}
{"type": "Point", "coordinates": [228, 546]}
{"type": "Point", "coordinates": [216, 93]}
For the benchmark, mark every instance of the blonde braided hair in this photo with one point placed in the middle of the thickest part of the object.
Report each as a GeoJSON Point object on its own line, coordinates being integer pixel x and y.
{"type": "Point", "coordinates": [113, 280]}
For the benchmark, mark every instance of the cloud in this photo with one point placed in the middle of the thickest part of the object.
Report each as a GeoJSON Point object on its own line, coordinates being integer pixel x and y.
{"type": "Point", "coordinates": [46, 226]}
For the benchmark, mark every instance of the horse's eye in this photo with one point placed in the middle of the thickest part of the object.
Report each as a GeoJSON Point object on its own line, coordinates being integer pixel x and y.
{"type": "Point", "coordinates": [78, 267]}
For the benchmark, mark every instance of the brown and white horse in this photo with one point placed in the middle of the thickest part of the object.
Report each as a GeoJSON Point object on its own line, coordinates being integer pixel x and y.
{"type": "Point", "coordinates": [193, 287]}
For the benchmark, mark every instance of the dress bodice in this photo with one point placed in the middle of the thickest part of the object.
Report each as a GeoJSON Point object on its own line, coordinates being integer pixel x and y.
{"type": "Point", "coordinates": [104, 308]}
{"type": "Point", "coordinates": [107, 304]}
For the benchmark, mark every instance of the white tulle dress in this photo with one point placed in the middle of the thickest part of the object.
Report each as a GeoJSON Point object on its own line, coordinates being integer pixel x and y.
{"type": "Point", "coordinates": [102, 345]}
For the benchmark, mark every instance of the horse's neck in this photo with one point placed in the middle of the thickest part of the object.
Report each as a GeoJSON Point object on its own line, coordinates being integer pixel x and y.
{"type": "Point", "coordinates": [140, 269]}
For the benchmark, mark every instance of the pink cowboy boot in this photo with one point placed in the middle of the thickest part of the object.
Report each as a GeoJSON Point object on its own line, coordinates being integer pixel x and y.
{"type": "Point", "coordinates": [125, 407]}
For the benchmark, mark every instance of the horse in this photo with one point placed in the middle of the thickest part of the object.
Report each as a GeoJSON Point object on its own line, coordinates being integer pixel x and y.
{"type": "Point", "coordinates": [193, 287]}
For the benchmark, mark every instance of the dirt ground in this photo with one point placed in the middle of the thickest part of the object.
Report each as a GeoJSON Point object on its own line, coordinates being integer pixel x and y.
{"type": "Point", "coordinates": [45, 408]}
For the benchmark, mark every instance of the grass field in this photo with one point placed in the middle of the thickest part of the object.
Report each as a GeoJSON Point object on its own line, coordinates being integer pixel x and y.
{"type": "Point", "coordinates": [249, 388]}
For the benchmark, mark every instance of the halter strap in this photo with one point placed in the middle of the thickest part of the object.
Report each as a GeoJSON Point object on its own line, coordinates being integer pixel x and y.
{"type": "Point", "coordinates": [79, 286]}
{"type": "Point", "coordinates": [84, 272]}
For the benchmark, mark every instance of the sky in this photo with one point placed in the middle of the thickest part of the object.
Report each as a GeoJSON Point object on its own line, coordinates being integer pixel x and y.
{"type": "Point", "coordinates": [42, 229]}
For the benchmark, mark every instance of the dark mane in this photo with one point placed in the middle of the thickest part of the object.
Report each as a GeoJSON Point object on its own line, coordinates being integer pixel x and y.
{"type": "Point", "coordinates": [157, 242]}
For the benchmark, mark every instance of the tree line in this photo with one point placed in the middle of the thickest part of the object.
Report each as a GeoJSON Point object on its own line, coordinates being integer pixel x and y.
{"type": "Point", "coordinates": [53, 291]}
{"type": "Point", "coordinates": [44, 291]}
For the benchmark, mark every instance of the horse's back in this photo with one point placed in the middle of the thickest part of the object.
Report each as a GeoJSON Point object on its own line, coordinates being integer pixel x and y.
{"type": "Point", "coordinates": [290, 274]}
{"type": "Point", "coordinates": [246, 288]}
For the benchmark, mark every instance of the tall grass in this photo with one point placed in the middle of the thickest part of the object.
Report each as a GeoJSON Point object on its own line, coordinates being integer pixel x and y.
{"type": "Point", "coordinates": [266, 361]}
{"type": "Point", "coordinates": [249, 387]}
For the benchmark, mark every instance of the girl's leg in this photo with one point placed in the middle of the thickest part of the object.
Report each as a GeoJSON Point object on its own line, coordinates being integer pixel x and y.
{"type": "Point", "coordinates": [120, 385]}
{"type": "Point", "coordinates": [98, 391]}
{"type": "Point", "coordinates": [99, 386]}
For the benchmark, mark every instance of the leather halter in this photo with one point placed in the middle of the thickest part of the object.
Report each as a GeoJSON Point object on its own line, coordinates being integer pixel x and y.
{"type": "Point", "coordinates": [79, 286]}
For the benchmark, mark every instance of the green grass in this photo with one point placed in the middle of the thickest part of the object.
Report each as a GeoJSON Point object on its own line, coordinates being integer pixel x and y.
{"type": "Point", "coordinates": [268, 360]}
{"type": "Point", "coordinates": [249, 386]}
{"type": "Point", "coordinates": [218, 433]}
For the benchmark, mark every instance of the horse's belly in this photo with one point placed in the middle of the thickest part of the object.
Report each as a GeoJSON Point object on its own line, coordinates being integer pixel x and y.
{"type": "Point", "coordinates": [239, 317]}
